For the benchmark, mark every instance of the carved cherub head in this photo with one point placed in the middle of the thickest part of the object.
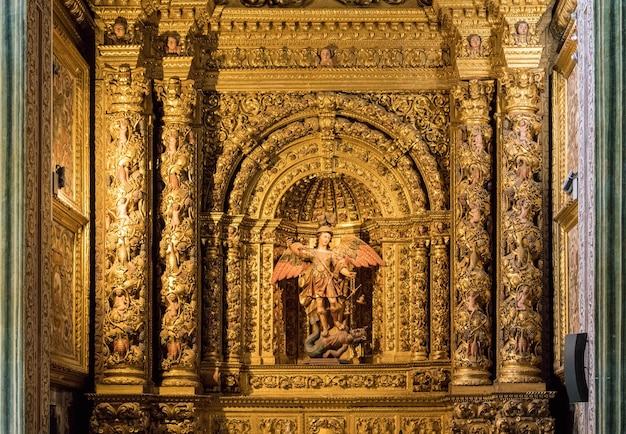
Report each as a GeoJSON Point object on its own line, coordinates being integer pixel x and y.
{"type": "Point", "coordinates": [172, 45]}
{"type": "Point", "coordinates": [326, 57]}
{"type": "Point", "coordinates": [120, 27]}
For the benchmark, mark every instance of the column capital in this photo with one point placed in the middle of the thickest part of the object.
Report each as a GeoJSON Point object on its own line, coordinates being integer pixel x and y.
{"type": "Point", "coordinates": [473, 101]}
{"type": "Point", "coordinates": [126, 88]}
{"type": "Point", "coordinates": [178, 98]}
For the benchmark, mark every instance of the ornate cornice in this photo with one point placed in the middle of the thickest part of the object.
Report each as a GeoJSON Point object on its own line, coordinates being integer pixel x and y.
{"type": "Point", "coordinates": [562, 16]}
{"type": "Point", "coordinates": [79, 10]}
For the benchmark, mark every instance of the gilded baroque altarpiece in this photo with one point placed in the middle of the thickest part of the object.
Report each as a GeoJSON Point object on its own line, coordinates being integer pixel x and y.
{"type": "Point", "coordinates": [226, 133]}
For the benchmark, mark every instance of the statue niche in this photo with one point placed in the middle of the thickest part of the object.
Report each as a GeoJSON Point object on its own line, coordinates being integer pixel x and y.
{"type": "Point", "coordinates": [328, 291]}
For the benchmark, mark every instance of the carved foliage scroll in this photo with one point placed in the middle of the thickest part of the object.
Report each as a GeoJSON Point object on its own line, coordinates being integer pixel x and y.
{"type": "Point", "coordinates": [246, 116]}
{"type": "Point", "coordinates": [419, 300]}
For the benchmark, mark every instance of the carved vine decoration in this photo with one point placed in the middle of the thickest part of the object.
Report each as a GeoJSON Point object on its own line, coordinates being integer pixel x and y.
{"type": "Point", "coordinates": [127, 417]}
{"type": "Point", "coordinates": [507, 414]}
{"type": "Point", "coordinates": [439, 296]}
{"type": "Point", "coordinates": [429, 113]}
{"type": "Point", "coordinates": [309, 57]}
{"type": "Point", "coordinates": [419, 318]}
{"type": "Point", "coordinates": [126, 257]}
{"type": "Point", "coordinates": [391, 381]}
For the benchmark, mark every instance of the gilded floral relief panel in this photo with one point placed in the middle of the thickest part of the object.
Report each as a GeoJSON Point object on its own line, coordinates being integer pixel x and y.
{"type": "Point", "coordinates": [69, 299]}
{"type": "Point", "coordinates": [70, 132]}
{"type": "Point", "coordinates": [69, 307]}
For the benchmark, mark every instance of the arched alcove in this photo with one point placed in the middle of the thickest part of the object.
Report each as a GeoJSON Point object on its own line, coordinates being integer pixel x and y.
{"type": "Point", "coordinates": [333, 154]}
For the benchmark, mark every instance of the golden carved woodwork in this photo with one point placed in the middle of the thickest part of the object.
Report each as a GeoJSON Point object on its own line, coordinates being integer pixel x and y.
{"type": "Point", "coordinates": [473, 254]}
{"type": "Point", "coordinates": [519, 317]}
{"type": "Point", "coordinates": [70, 229]}
{"type": "Point", "coordinates": [269, 117]}
{"type": "Point", "coordinates": [178, 239]}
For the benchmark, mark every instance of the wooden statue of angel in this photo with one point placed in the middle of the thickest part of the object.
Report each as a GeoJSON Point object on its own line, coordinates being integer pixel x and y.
{"type": "Point", "coordinates": [324, 276]}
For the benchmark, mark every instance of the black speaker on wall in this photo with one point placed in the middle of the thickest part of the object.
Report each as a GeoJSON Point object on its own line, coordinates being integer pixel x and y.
{"type": "Point", "coordinates": [574, 367]}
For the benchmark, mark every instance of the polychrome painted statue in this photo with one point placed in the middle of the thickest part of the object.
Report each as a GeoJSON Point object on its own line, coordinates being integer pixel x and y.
{"type": "Point", "coordinates": [326, 279]}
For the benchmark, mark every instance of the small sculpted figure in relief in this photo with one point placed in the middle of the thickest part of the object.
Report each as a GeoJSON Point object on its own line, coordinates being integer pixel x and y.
{"type": "Point", "coordinates": [172, 46]}
{"type": "Point", "coordinates": [120, 34]}
{"type": "Point", "coordinates": [326, 280]}
{"type": "Point", "coordinates": [326, 57]}
{"type": "Point", "coordinates": [522, 36]}
{"type": "Point", "coordinates": [474, 45]}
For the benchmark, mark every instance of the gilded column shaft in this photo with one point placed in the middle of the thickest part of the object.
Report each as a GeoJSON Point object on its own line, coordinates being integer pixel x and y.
{"type": "Point", "coordinates": [233, 297]}
{"type": "Point", "coordinates": [439, 299]}
{"type": "Point", "coordinates": [419, 301]}
{"type": "Point", "coordinates": [519, 318]}
{"type": "Point", "coordinates": [178, 244]}
{"type": "Point", "coordinates": [127, 228]}
{"type": "Point", "coordinates": [472, 356]}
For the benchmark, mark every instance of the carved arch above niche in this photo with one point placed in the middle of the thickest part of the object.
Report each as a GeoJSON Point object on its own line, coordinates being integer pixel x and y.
{"type": "Point", "coordinates": [259, 132]}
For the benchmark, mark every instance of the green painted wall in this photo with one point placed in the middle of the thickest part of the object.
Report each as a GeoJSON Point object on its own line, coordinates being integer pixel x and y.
{"type": "Point", "coordinates": [610, 189]}
{"type": "Point", "coordinates": [12, 228]}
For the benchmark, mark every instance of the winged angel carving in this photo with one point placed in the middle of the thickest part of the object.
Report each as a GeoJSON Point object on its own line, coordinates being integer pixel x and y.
{"type": "Point", "coordinates": [326, 278]}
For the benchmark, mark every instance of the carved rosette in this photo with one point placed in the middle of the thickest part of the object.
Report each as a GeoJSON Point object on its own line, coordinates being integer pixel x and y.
{"type": "Point", "coordinates": [473, 252]}
{"type": "Point", "coordinates": [519, 314]}
{"type": "Point", "coordinates": [127, 228]}
{"type": "Point", "coordinates": [178, 244]}
{"type": "Point", "coordinates": [439, 298]}
{"type": "Point", "coordinates": [127, 417]}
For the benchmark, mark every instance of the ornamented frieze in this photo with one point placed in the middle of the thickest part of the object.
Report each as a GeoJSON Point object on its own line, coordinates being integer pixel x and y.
{"type": "Point", "coordinates": [349, 57]}
{"type": "Point", "coordinates": [367, 381]}
{"type": "Point", "coordinates": [431, 380]}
